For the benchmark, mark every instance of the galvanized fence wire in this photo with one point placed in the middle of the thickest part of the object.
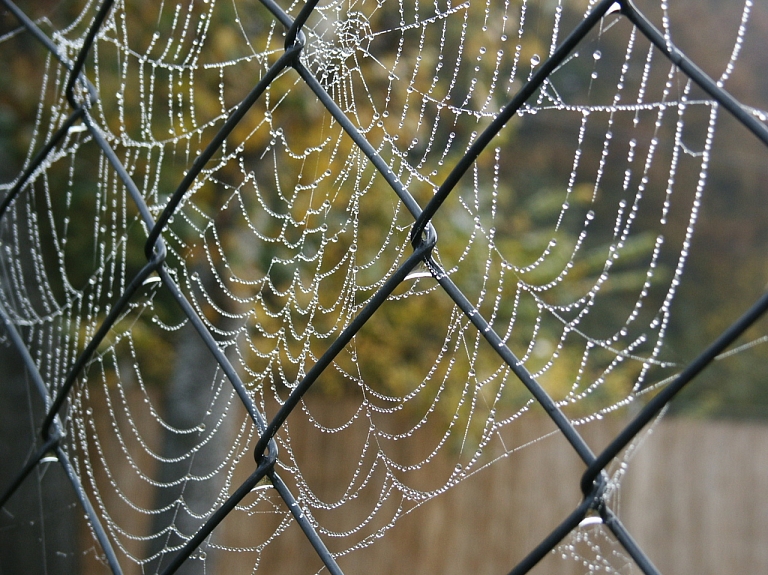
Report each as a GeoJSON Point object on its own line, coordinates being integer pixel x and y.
{"type": "Point", "coordinates": [81, 95]}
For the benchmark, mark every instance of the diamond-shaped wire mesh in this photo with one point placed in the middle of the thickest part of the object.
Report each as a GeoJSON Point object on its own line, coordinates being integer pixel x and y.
{"type": "Point", "coordinates": [81, 94]}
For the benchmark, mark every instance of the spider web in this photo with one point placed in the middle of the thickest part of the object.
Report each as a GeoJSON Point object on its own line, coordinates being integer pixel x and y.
{"type": "Point", "coordinates": [573, 252]}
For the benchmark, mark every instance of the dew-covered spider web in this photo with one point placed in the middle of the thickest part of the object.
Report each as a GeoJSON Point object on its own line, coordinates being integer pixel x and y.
{"type": "Point", "coordinates": [570, 236]}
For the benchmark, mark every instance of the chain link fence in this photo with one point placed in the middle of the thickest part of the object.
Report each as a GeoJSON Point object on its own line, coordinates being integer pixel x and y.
{"type": "Point", "coordinates": [81, 95]}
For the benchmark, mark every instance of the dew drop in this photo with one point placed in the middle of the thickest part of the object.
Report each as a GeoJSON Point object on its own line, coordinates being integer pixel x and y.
{"type": "Point", "coordinates": [535, 60]}
{"type": "Point", "coordinates": [49, 457]}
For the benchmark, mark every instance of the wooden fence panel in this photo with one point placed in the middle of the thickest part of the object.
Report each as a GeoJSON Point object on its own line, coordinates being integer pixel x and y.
{"type": "Point", "coordinates": [694, 497]}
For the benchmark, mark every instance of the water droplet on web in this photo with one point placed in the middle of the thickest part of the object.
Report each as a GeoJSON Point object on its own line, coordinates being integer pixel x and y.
{"type": "Point", "coordinates": [535, 60]}
{"type": "Point", "coordinates": [263, 484]}
{"type": "Point", "coordinates": [420, 271]}
{"type": "Point", "coordinates": [590, 215]}
{"type": "Point", "coordinates": [596, 55]}
{"type": "Point", "coordinates": [590, 521]}
{"type": "Point", "coordinates": [482, 50]}
{"type": "Point", "coordinates": [49, 457]}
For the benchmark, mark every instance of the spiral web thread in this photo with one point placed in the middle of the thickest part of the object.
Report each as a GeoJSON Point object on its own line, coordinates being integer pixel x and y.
{"type": "Point", "coordinates": [295, 256]}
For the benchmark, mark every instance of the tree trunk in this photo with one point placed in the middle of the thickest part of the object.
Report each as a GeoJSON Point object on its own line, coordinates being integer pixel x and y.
{"type": "Point", "coordinates": [196, 405]}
